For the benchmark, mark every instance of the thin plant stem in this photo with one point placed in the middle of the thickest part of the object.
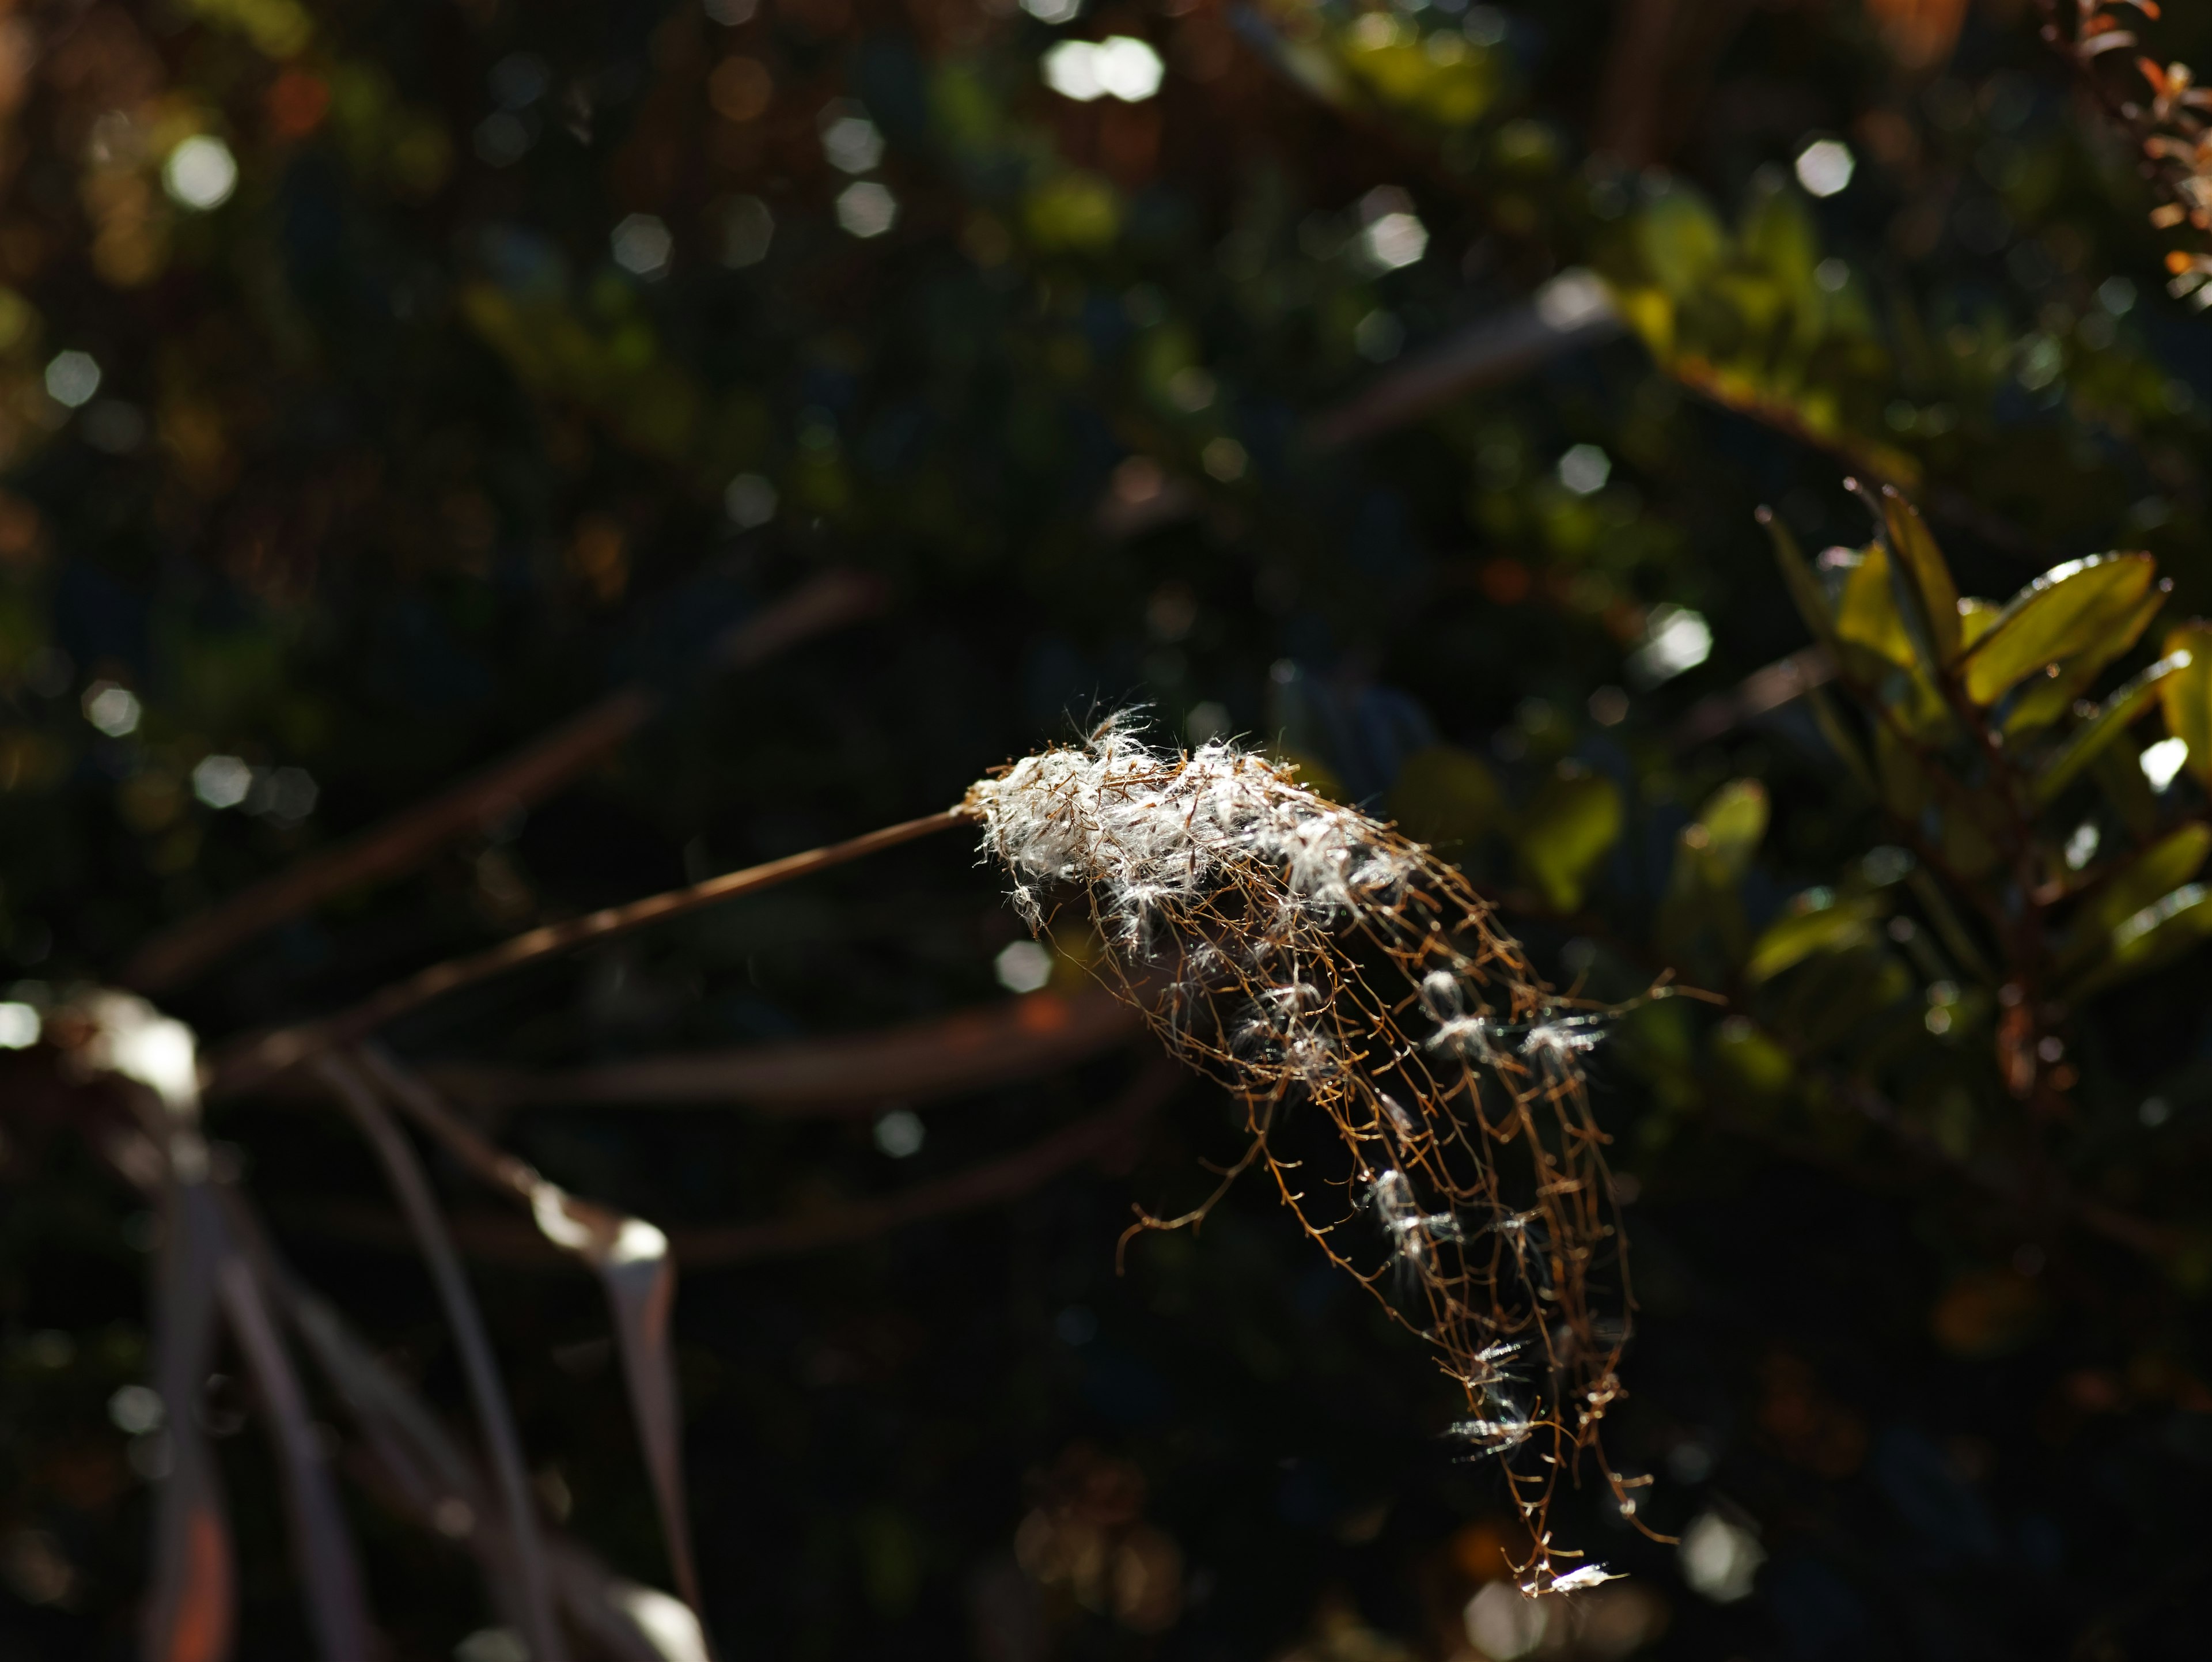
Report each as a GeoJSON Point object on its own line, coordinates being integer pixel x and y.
{"type": "Point", "coordinates": [260, 1058]}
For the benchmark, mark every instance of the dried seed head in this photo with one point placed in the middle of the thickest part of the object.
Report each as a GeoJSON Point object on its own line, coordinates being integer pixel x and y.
{"type": "Point", "coordinates": [1276, 940]}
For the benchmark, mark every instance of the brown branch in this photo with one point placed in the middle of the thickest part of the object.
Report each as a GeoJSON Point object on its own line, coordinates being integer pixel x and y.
{"type": "Point", "coordinates": [248, 1062]}
{"type": "Point", "coordinates": [1762, 691]}
{"type": "Point", "coordinates": [1101, 1137]}
{"type": "Point", "coordinates": [1570, 312]}
{"type": "Point", "coordinates": [400, 843]}
{"type": "Point", "coordinates": [971, 1049]}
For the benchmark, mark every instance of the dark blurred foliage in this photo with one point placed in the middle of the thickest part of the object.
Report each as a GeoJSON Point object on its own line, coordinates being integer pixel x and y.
{"type": "Point", "coordinates": [440, 367]}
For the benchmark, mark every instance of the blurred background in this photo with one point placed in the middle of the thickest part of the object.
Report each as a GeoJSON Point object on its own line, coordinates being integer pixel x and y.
{"type": "Point", "coordinates": [764, 415]}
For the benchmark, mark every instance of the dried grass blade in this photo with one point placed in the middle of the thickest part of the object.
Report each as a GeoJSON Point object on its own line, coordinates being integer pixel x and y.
{"type": "Point", "coordinates": [419, 1468]}
{"type": "Point", "coordinates": [321, 1543]}
{"type": "Point", "coordinates": [407, 1181]}
{"type": "Point", "coordinates": [190, 1614]}
{"type": "Point", "coordinates": [629, 1257]}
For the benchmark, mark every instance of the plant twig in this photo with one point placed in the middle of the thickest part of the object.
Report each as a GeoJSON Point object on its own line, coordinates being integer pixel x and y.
{"type": "Point", "coordinates": [1571, 312]}
{"type": "Point", "coordinates": [402, 842]}
{"type": "Point", "coordinates": [992, 1182]}
{"type": "Point", "coordinates": [242, 1065]}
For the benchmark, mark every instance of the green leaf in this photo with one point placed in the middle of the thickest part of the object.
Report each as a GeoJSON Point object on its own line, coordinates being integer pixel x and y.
{"type": "Point", "coordinates": [1711, 856]}
{"type": "Point", "coordinates": [2119, 779]}
{"type": "Point", "coordinates": [2069, 609]}
{"type": "Point", "coordinates": [1812, 600]}
{"type": "Point", "coordinates": [2046, 701]}
{"type": "Point", "coordinates": [2107, 724]}
{"type": "Point", "coordinates": [1905, 790]}
{"type": "Point", "coordinates": [1443, 796]}
{"type": "Point", "coordinates": [2158, 870]}
{"type": "Point", "coordinates": [2187, 695]}
{"type": "Point", "coordinates": [1975, 618]}
{"type": "Point", "coordinates": [1840, 739]}
{"type": "Point", "coordinates": [1569, 827]}
{"type": "Point", "coordinates": [1931, 579]}
{"type": "Point", "coordinates": [1680, 240]}
{"type": "Point", "coordinates": [2153, 938]}
{"type": "Point", "coordinates": [1868, 617]}
{"type": "Point", "coordinates": [1777, 233]}
{"type": "Point", "coordinates": [1817, 923]}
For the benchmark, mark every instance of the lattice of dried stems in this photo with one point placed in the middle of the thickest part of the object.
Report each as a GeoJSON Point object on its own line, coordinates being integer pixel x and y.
{"type": "Point", "coordinates": [1310, 958]}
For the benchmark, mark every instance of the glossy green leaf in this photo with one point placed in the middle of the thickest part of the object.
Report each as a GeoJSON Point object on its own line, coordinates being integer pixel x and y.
{"type": "Point", "coordinates": [2047, 700]}
{"type": "Point", "coordinates": [1567, 830]}
{"type": "Point", "coordinates": [1975, 618]}
{"type": "Point", "coordinates": [2069, 609]}
{"type": "Point", "coordinates": [1446, 797]}
{"type": "Point", "coordinates": [2153, 937]}
{"type": "Point", "coordinates": [1817, 923]}
{"type": "Point", "coordinates": [1868, 619]}
{"type": "Point", "coordinates": [2187, 695]}
{"type": "Point", "coordinates": [2158, 870]}
{"type": "Point", "coordinates": [2111, 720]}
{"type": "Point", "coordinates": [1929, 577]}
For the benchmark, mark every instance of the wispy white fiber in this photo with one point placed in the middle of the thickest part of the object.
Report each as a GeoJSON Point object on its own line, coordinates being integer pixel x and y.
{"type": "Point", "coordinates": [1116, 815]}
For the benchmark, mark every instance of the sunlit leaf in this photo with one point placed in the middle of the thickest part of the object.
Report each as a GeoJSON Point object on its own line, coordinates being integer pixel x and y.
{"type": "Point", "coordinates": [2158, 870]}
{"type": "Point", "coordinates": [1929, 577]}
{"type": "Point", "coordinates": [2186, 695]}
{"type": "Point", "coordinates": [1868, 619]}
{"type": "Point", "coordinates": [1566, 831]}
{"type": "Point", "coordinates": [2046, 700]}
{"type": "Point", "coordinates": [2069, 609]}
{"type": "Point", "coordinates": [1975, 618]}
{"type": "Point", "coordinates": [2112, 719]}
{"type": "Point", "coordinates": [2153, 937]}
